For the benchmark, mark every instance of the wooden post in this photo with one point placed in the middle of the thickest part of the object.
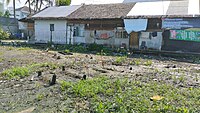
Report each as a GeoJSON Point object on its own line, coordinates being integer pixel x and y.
{"type": "Point", "coordinates": [53, 81]}
{"type": "Point", "coordinates": [66, 32]}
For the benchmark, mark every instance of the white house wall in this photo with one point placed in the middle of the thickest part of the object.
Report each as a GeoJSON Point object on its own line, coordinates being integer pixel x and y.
{"type": "Point", "coordinates": [42, 31]}
{"type": "Point", "coordinates": [120, 41]}
{"type": "Point", "coordinates": [90, 38]}
{"type": "Point", "coordinates": [153, 42]}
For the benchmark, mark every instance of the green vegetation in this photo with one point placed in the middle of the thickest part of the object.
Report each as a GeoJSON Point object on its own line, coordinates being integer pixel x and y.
{"type": "Point", "coordinates": [148, 63]}
{"type": "Point", "coordinates": [3, 35]}
{"type": "Point", "coordinates": [67, 51]}
{"type": "Point", "coordinates": [124, 96]}
{"type": "Point", "coordinates": [120, 60]}
{"type": "Point", "coordinates": [21, 72]}
{"type": "Point", "coordinates": [16, 72]}
{"type": "Point", "coordinates": [39, 97]}
{"type": "Point", "coordinates": [139, 61]}
{"type": "Point", "coordinates": [63, 2]}
{"type": "Point", "coordinates": [1, 59]}
{"type": "Point", "coordinates": [24, 48]}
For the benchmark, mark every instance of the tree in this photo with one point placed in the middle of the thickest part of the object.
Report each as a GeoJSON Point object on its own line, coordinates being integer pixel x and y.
{"type": "Point", "coordinates": [1, 14]}
{"type": "Point", "coordinates": [63, 2]}
{"type": "Point", "coordinates": [29, 5]}
{"type": "Point", "coordinates": [4, 35]}
{"type": "Point", "coordinates": [8, 1]}
{"type": "Point", "coordinates": [36, 4]}
{"type": "Point", "coordinates": [7, 14]}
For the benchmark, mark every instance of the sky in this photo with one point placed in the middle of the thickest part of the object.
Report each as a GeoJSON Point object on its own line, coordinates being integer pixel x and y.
{"type": "Point", "coordinates": [78, 2]}
{"type": "Point", "coordinates": [73, 2]}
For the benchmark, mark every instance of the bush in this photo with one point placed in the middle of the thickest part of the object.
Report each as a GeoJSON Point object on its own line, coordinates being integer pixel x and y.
{"type": "Point", "coordinates": [95, 47]}
{"type": "Point", "coordinates": [4, 35]}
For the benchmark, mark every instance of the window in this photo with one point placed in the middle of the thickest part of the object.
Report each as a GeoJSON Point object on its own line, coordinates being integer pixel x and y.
{"type": "Point", "coordinates": [121, 33]}
{"type": "Point", "coordinates": [79, 31]}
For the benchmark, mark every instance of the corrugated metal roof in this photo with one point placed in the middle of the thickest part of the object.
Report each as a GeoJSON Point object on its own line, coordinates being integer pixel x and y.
{"type": "Point", "coordinates": [165, 8]}
{"type": "Point", "coordinates": [56, 12]}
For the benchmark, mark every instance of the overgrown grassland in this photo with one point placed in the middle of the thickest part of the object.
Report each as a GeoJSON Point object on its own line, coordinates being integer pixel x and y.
{"type": "Point", "coordinates": [124, 96]}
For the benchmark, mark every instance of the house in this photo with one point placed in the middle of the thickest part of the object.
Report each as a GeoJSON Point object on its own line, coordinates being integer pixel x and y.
{"type": "Point", "coordinates": [51, 24]}
{"type": "Point", "coordinates": [165, 25]}
{"type": "Point", "coordinates": [20, 13]}
{"type": "Point", "coordinates": [170, 25]}
{"type": "Point", "coordinates": [100, 24]}
{"type": "Point", "coordinates": [1, 6]}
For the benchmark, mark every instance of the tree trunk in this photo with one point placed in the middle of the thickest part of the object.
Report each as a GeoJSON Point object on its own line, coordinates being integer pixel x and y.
{"type": "Point", "coordinates": [14, 9]}
{"type": "Point", "coordinates": [29, 6]}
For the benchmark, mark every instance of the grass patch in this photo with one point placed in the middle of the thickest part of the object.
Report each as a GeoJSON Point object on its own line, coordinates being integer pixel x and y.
{"type": "Point", "coordinates": [24, 48]}
{"type": "Point", "coordinates": [120, 60]}
{"type": "Point", "coordinates": [148, 63]}
{"type": "Point", "coordinates": [21, 72]}
{"type": "Point", "coordinates": [49, 65]}
{"type": "Point", "coordinates": [122, 95]}
{"type": "Point", "coordinates": [16, 72]}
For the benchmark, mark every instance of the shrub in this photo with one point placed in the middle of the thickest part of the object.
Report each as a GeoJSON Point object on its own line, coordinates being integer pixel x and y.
{"type": "Point", "coordinates": [67, 51]}
{"type": "Point", "coordinates": [4, 35]}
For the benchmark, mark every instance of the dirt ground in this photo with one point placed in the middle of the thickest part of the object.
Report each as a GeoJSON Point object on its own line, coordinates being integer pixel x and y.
{"type": "Point", "coordinates": [34, 93]}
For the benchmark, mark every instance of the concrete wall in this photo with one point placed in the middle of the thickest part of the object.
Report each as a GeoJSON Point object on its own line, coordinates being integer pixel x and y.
{"type": "Point", "coordinates": [42, 31]}
{"type": "Point", "coordinates": [151, 42]}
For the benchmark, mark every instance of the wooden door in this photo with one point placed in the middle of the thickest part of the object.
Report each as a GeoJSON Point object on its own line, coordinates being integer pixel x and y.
{"type": "Point", "coordinates": [134, 40]}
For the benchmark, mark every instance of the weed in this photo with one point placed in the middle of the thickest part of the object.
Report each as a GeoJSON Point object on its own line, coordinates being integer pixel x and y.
{"type": "Point", "coordinates": [65, 85]}
{"type": "Point", "coordinates": [1, 59]}
{"type": "Point", "coordinates": [12, 60]}
{"type": "Point", "coordinates": [137, 62]}
{"type": "Point", "coordinates": [67, 51]}
{"type": "Point", "coordinates": [10, 48]}
{"type": "Point", "coordinates": [20, 72]}
{"type": "Point", "coordinates": [148, 63]}
{"type": "Point", "coordinates": [37, 84]}
{"type": "Point", "coordinates": [46, 64]}
{"type": "Point", "coordinates": [123, 95]}
{"type": "Point", "coordinates": [39, 97]}
{"type": "Point", "coordinates": [182, 78]}
{"type": "Point", "coordinates": [120, 60]}
{"type": "Point", "coordinates": [16, 72]}
{"type": "Point", "coordinates": [24, 48]}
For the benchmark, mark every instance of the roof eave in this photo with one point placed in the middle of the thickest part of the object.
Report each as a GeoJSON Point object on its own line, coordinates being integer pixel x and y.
{"type": "Point", "coordinates": [162, 16]}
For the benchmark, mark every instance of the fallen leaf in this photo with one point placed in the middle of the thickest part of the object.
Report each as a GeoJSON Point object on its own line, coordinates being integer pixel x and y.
{"type": "Point", "coordinates": [156, 98]}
